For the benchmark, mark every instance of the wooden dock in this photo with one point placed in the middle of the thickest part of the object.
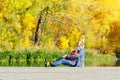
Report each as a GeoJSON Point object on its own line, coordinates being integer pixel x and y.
{"type": "Point", "coordinates": [59, 73]}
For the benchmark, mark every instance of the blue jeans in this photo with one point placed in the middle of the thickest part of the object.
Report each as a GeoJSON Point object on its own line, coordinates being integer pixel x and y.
{"type": "Point", "coordinates": [64, 61]}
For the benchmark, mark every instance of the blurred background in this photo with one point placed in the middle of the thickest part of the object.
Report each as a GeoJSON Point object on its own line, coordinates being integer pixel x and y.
{"type": "Point", "coordinates": [57, 25]}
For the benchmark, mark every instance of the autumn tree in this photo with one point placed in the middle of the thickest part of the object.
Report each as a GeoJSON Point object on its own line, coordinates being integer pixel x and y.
{"type": "Point", "coordinates": [59, 23]}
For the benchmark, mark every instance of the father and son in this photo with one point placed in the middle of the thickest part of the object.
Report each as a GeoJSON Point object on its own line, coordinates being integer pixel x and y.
{"type": "Point", "coordinates": [74, 59]}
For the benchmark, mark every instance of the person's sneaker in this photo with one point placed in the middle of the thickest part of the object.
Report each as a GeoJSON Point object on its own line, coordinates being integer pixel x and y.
{"type": "Point", "coordinates": [47, 63]}
{"type": "Point", "coordinates": [51, 64]}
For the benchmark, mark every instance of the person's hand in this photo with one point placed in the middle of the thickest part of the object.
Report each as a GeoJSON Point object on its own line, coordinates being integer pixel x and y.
{"type": "Point", "coordinates": [64, 56]}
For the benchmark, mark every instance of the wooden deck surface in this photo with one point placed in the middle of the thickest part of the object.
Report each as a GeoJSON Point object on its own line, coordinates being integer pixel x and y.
{"type": "Point", "coordinates": [59, 73]}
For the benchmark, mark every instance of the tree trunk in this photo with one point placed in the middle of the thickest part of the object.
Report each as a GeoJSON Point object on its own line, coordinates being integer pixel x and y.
{"type": "Point", "coordinates": [37, 31]}
{"type": "Point", "coordinates": [45, 11]}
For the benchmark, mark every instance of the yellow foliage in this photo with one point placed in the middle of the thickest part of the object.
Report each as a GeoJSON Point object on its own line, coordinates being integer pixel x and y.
{"type": "Point", "coordinates": [50, 43]}
{"type": "Point", "coordinates": [74, 6]}
{"type": "Point", "coordinates": [2, 5]}
{"type": "Point", "coordinates": [26, 42]}
{"type": "Point", "coordinates": [1, 15]}
{"type": "Point", "coordinates": [27, 33]}
{"type": "Point", "coordinates": [54, 1]}
{"type": "Point", "coordinates": [74, 37]}
{"type": "Point", "coordinates": [65, 21]}
{"type": "Point", "coordinates": [18, 17]}
{"type": "Point", "coordinates": [3, 34]}
{"type": "Point", "coordinates": [47, 43]}
{"type": "Point", "coordinates": [19, 27]}
{"type": "Point", "coordinates": [11, 44]}
{"type": "Point", "coordinates": [63, 42]}
{"type": "Point", "coordinates": [28, 22]}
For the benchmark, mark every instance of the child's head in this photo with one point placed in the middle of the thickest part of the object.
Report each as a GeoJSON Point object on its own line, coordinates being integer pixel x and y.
{"type": "Point", "coordinates": [75, 52]}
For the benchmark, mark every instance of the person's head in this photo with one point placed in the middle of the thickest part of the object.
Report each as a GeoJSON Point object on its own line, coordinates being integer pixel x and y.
{"type": "Point", "coordinates": [75, 52]}
{"type": "Point", "coordinates": [80, 44]}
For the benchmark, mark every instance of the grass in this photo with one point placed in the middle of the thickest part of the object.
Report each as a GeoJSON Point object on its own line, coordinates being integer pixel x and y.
{"type": "Point", "coordinates": [99, 59]}
{"type": "Point", "coordinates": [36, 58]}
